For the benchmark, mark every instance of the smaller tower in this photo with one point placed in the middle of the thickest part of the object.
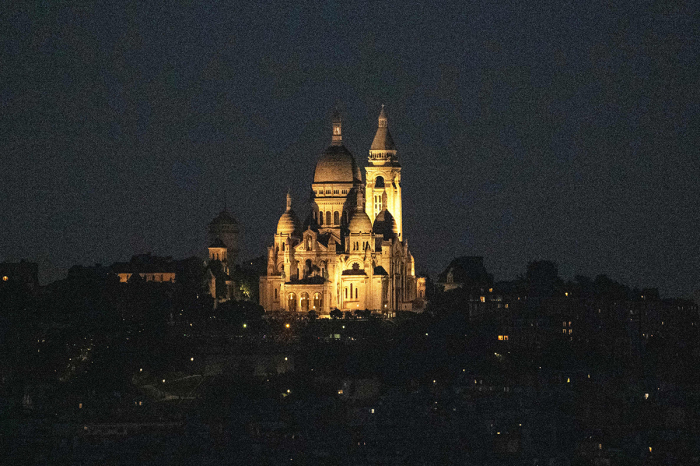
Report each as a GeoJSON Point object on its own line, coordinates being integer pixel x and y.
{"type": "Point", "coordinates": [225, 228]}
{"type": "Point", "coordinates": [383, 175]}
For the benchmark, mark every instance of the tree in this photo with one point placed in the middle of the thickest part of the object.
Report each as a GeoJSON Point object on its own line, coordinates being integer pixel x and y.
{"type": "Point", "coordinates": [336, 314]}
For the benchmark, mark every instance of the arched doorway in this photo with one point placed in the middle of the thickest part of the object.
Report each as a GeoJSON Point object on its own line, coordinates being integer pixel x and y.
{"type": "Point", "coordinates": [292, 302]}
{"type": "Point", "coordinates": [305, 302]}
{"type": "Point", "coordinates": [318, 302]}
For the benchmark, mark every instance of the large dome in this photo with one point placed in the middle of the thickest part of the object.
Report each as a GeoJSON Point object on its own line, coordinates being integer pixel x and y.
{"type": "Point", "coordinates": [385, 225]}
{"type": "Point", "coordinates": [337, 165]}
{"type": "Point", "coordinates": [360, 222]}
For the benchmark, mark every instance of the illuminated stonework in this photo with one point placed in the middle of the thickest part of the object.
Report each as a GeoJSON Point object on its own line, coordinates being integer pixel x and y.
{"type": "Point", "coordinates": [350, 253]}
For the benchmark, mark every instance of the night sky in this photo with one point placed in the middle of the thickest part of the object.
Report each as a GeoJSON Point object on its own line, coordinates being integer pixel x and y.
{"type": "Point", "coordinates": [526, 130]}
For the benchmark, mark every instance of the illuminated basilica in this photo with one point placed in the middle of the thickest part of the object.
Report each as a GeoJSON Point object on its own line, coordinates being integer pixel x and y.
{"type": "Point", "coordinates": [350, 252]}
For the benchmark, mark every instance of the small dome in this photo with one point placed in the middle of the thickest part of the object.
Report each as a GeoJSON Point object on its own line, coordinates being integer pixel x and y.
{"type": "Point", "coordinates": [337, 165]}
{"type": "Point", "coordinates": [224, 218]}
{"type": "Point", "coordinates": [288, 223]}
{"type": "Point", "coordinates": [385, 225]}
{"type": "Point", "coordinates": [218, 243]}
{"type": "Point", "coordinates": [360, 223]}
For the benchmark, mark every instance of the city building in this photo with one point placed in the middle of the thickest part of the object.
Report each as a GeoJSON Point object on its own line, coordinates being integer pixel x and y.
{"type": "Point", "coordinates": [150, 268]}
{"type": "Point", "coordinates": [350, 253]}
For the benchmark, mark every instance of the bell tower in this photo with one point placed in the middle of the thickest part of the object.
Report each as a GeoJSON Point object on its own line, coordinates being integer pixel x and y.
{"type": "Point", "coordinates": [383, 176]}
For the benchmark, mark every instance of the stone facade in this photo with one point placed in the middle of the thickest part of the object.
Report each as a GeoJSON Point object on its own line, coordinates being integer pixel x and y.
{"type": "Point", "coordinates": [340, 257]}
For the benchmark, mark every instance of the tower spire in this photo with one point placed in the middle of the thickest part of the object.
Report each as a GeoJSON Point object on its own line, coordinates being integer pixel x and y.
{"type": "Point", "coordinates": [383, 122]}
{"type": "Point", "coordinates": [382, 150]}
{"type": "Point", "coordinates": [289, 200]}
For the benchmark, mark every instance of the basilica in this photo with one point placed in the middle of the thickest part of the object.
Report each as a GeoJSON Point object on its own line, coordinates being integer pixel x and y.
{"type": "Point", "coordinates": [350, 252]}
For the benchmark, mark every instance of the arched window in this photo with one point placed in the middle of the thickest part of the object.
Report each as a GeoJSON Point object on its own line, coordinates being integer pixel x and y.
{"type": "Point", "coordinates": [320, 218]}
{"type": "Point", "coordinates": [379, 182]}
{"type": "Point", "coordinates": [345, 217]}
{"type": "Point", "coordinates": [350, 290]}
{"type": "Point", "coordinates": [292, 302]}
{"type": "Point", "coordinates": [336, 218]}
{"type": "Point", "coordinates": [305, 302]}
{"type": "Point", "coordinates": [355, 292]}
{"type": "Point", "coordinates": [328, 217]}
{"type": "Point", "coordinates": [346, 293]}
{"type": "Point", "coordinates": [307, 270]}
{"type": "Point", "coordinates": [276, 294]}
{"type": "Point", "coordinates": [318, 301]}
{"type": "Point", "coordinates": [282, 246]}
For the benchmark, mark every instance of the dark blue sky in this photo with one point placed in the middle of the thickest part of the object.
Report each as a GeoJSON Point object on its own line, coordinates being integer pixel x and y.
{"type": "Point", "coordinates": [527, 130]}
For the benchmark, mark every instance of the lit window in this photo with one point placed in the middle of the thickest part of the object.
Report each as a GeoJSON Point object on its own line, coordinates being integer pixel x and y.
{"type": "Point", "coordinates": [5, 278]}
{"type": "Point", "coordinates": [563, 330]}
{"type": "Point", "coordinates": [505, 337]}
{"type": "Point", "coordinates": [483, 299]}
{"type": "Point", "coordinates": [569, 331]}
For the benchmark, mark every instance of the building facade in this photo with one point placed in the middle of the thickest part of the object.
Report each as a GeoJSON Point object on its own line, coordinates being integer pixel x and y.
{"type": "Point", "coordinates": [350, 252]}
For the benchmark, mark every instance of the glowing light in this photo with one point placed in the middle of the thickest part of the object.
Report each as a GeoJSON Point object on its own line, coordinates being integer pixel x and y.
{"type": "Point", "coordinates": [286, 325]}
{"type": "Point", "coordinates": [285, 358]}
{"type": "Point", "coordinates": [245, 325]}
{"type": "Point", "coordinates": [568, 379]}
{"type": "Point", "coordinates": [163, 380]}
{"type": "Point", "coordinates": [191, 359]}
{"type": "Point", "coordinates": [646, 396]}
{"type": "Point", "coordinates": [5, 278]}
